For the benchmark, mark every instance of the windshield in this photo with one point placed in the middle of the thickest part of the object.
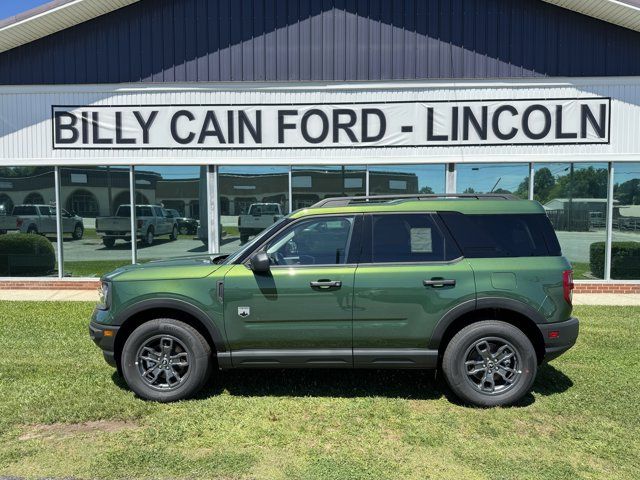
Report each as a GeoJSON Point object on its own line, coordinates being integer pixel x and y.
{"type": "Point", "coordinates": [257, 210]}
{"type": "Point", "coordinates": [257, 239]}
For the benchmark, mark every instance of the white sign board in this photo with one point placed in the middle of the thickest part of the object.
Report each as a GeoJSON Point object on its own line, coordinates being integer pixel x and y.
{"type": "Point", "coordinates": [550, 121]}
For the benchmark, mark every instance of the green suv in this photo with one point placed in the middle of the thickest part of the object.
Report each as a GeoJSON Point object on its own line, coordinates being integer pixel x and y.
{"type": "Point", "coordinates": [475, 286]}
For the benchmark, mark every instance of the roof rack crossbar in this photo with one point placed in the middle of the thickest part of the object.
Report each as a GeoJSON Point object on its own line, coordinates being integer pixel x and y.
{"type": "Point", "coordinates": [344, 201]}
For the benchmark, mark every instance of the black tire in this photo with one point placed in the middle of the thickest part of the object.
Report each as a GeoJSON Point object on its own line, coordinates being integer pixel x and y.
{"type": "Point", "coordinates": [32, 229]}
{"type": "Point", "coordinates": [472, 349]}
{"type": "Point", "coordinates": [187, 340]}
{"type": "Point", "coordinates": [174, 233]}
{"type": "Point", "coordinates": [244, 238]}
{"type": "Point", "coordinates": [184, 230]}
{"type": "Point", "coordinates": [78, 232]}
{"type": "Point", "coordinates": [108, 242]}
{"type": "Point", "coordinates": [147, 240]}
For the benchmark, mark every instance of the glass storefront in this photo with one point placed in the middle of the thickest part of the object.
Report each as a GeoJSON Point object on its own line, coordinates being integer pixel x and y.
{"type": "Point", "coordinates": [172, 203]}
{"type": "Point", "coordinates": [312, 184]}
{"type": "Point", "coordinates": [168, 211]}
{"type": "Point", "coordinates": [494, 178]}
{"type": "Point", "coordinates": [574, 195]}
{"type": "Point", "coordinates": [406, 179]}
{"type": "Point", "coordinates": [250, 199]}
{"type": "Point", "coordinates": [27, 206]}
{"type": "Point", "coordinates": [89, 196]}
{"type": "Point", "coordinates": [625, 258]}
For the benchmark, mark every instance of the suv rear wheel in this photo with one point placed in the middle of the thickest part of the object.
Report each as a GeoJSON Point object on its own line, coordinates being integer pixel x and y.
{"type": "Point", "coordinates": [490, 363]}
{"type": "Point", "coordinates": [165, 360]}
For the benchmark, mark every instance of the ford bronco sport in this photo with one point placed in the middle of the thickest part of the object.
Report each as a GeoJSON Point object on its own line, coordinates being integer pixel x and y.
{"type": "Point", "coordinates": [475, 286]}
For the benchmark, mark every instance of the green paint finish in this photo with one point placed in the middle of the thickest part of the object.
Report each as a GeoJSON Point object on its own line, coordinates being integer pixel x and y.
{"type": "Point", "coordinates": [394, 309]}
{"type": "Point", "coordinates": [285, 311]}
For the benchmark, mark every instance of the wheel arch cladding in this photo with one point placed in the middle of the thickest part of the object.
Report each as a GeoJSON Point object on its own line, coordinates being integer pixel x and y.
{"type": "Point", "coordinates": [140, 314]}
{"type": "Point", "coordinates": [520, 317]}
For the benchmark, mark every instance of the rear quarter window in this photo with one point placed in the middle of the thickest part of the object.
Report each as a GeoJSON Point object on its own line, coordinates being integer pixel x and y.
{"type": "Point", "coordinates": [502, 235]}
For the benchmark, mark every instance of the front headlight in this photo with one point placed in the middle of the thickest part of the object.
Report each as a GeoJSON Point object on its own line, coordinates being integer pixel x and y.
{"type": "Point", "coordinates": [105, 296]}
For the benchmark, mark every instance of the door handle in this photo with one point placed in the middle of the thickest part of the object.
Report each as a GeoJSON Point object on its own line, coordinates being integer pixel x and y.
{"type": "Point", "coordinates": [326, 284]}
{"type": "Point", "coordinates": [439, 282]}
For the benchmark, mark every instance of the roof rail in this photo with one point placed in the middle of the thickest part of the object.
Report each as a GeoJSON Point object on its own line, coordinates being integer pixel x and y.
{"type": "Point", "coordinates": [344, 201]}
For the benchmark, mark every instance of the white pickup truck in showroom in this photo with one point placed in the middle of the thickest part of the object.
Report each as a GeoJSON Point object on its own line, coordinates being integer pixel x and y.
{"type": "Point", "coordinates": [151, 221]}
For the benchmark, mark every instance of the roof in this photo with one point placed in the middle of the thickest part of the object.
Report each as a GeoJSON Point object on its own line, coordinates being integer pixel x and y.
{"type": "Point", "coordinates": [51, 18]}
{"type": "Point", "coordinates": [625, 13]}
{"type": "Point", "coordinates": [462, 205]}
{"type": "Point", "coordinates": [61, 14]}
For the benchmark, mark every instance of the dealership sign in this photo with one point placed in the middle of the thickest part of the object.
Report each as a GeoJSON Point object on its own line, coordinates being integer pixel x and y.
{"type": "Point", "coordinates": [335, 125]}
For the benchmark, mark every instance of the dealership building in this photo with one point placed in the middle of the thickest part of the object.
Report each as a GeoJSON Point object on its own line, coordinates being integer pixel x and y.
{"type": "Point", "coordinates": [210, 106]}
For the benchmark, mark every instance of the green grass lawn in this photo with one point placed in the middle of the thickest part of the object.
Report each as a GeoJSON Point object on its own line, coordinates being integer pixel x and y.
{"type": "Point", "coordinates": [64, 413]}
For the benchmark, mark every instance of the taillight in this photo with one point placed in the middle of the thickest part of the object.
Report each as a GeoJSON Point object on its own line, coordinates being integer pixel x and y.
{"type": "Point", "coordinates": [140, 223]}
{"type": "Point", "coordinates": [567, 285]}
{"type": "Point", "coordinates": [19, 222]}
{"type": "Point", "coordinates": [239, 221]}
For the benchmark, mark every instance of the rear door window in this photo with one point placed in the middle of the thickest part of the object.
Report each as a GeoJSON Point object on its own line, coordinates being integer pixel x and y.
{"type": "Point", "coordinates": [407, 238]}
{"type": "Point", "coordinates": [24, 210]}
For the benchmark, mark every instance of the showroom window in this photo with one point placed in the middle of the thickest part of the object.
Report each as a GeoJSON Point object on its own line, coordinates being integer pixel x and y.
{"type": "Point", "coordinates": [493, 178]}
{"type": "Point", "coordinates": [574, 196]}
{"type": "Point", "coordinates": [406, 179]}
{"type": "Point", "coordinates": [163, 230]}
{"type": "Point", "coordinates": [625, 258]}
{"type": "Point", "coordinates": [90, 248]}
{"type": "Point", "coordinates": [312, 184]}
{"type": "Point", "coordinates": [250, 199]}
{"type": "Point", "coordinates": [27, 198]}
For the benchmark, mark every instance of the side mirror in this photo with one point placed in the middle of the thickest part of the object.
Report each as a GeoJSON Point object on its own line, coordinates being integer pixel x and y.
{"type": "Point", "coordinates": [260, 262]}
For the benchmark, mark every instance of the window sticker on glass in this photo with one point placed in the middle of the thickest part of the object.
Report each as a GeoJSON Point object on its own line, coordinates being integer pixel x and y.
{"type": "Point", "coordinates": [421, 241]}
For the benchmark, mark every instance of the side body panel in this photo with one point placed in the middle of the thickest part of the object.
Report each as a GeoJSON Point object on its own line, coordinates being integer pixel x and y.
{"type": "Point", "coordinates": [535, 281]}
{"type": "Point", "coordinates": [394, 309]}
{"type": "Point", "coordinates": [280, 310]}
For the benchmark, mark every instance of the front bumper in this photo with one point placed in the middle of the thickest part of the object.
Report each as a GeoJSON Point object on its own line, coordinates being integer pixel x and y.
{"type": "Point", "coordinates": [559, 337]}
{"type": "Point", "coordinates": [104, 336]}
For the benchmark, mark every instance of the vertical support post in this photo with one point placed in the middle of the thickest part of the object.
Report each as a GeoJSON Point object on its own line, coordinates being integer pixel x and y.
{"type": "Point", "coordinates": [134, 220]}
{"type": "Point", "coordinates": [366, 182]}
{"type": "Point", "coordinates": [59, 232]}
{"type": "Point", "coordinates": [451, 181]}
{"type": "Point", "coordinates": [532, 174]}
{"type": "Point", "coordinates": [609, 219]}
{"type": "Point", "coordinates": [290, 191]}
{"type": "Point", "coordinates": [213, 213]}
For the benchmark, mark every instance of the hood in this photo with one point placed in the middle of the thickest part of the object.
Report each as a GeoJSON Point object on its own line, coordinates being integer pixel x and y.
{"type": "Point", "coordinates": [171, 269]}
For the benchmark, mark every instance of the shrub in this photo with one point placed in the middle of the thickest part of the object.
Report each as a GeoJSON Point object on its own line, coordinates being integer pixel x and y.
{"type": "Point", "coordinates": [26, 254]}
{"type": "Point", "coordinates": [625, 260]}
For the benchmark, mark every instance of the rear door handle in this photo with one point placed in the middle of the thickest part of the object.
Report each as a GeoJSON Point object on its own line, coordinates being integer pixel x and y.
{"type": "Point", "coordinates": [326, 284]}
{"type": "Point", "coordinates": [439, 282]}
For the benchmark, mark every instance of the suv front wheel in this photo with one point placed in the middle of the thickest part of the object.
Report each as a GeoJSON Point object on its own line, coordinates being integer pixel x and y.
{"type": "Point", "coordinates": [166, 360]}
{"type": "Point", "coordinates": [490, 363]}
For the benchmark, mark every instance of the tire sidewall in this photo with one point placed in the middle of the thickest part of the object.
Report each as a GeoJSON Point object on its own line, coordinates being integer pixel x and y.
{"type": "Point", "coordinates": [454, 368]}
{"type": "Point", "coordinates": [191, 339]}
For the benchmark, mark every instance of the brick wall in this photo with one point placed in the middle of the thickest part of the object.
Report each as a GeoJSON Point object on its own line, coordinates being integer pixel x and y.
{"type": "Point", "coordinates": [607, 288]}
{"type": "Point", "coordinates": [24, 284]}
{"type": "Point", "coordinates": [72, 284]}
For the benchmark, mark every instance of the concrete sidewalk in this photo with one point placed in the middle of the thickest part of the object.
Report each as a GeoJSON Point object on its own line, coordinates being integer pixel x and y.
{"type": "Point", "coordinates": [621, 299]}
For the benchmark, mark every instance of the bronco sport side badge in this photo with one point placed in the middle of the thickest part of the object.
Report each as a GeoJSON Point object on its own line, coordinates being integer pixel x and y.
{"type": "Point", "coordinates": [244, 312]}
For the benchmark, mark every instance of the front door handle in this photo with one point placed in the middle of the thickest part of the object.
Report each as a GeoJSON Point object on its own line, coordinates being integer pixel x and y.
{"type": "Point", "coordinates": [439, 282]}
{"type": "Point", "coordinates": [326, 284]}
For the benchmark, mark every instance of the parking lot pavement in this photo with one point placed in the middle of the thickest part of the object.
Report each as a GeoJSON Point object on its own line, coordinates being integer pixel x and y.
{"type": "Point", "coordinates": [576, 245]}
{"type": "Point", "coordinates": [93, 249]}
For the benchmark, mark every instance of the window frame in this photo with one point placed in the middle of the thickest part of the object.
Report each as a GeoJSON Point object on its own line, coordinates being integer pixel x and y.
{"type": "Point", "coordinates": [366, 256]}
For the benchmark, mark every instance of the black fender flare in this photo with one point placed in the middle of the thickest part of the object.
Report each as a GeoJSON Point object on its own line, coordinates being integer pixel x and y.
{"type": "Point", "coordinates": [481, 304]}
{"type": "Point", "coordinates": [176, 304]}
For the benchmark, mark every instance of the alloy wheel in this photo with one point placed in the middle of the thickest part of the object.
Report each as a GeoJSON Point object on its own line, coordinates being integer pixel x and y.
{"type": "Point", "coordinates": [163, 362]}
{"type": "Point", "coordinates": [492, 365]}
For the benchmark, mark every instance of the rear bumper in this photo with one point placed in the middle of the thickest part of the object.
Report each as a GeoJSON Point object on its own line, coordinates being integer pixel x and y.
{"type": "Point", "coordinates": [559, 337]}
{"type": "Point", "coordinates": [105, 342]}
